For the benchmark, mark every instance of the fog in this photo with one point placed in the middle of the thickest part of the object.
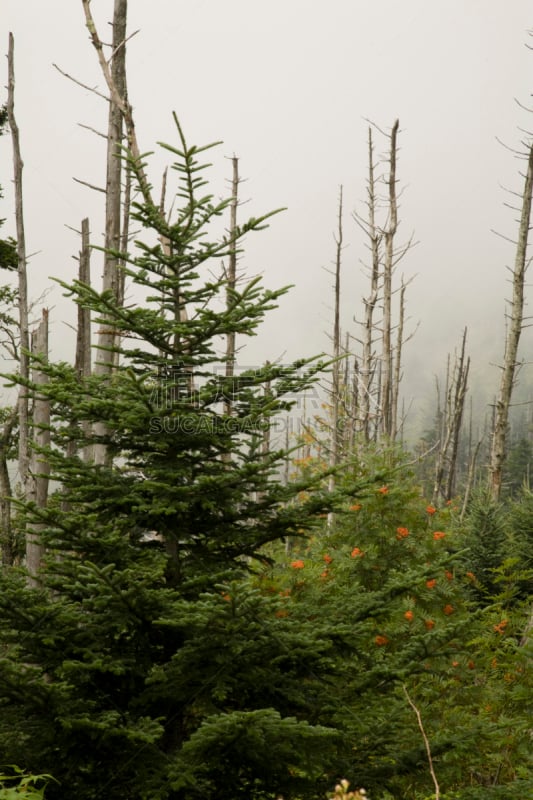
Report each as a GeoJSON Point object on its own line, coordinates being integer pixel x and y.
{"type": "Point", "coordinates": [289, 88]}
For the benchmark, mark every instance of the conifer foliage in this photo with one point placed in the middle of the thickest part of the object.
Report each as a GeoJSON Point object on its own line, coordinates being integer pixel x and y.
{"type": "Point", "coordinates": [138, 668]}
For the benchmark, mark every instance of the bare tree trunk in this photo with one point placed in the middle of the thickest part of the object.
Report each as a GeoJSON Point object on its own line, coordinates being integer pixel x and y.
{"type": "Point", "coordinates": [450, 423]}
{"type": "Point", "coordinates": [39, 467]}
{"type": "Point", "coordinates": [336, 373]}
{"type": "Point", "coordinates": [388, 265]}
{"type": "Point", "coordinates": [83, 358]}
{"type": "Point", "coordinates": [24, 369]}
{"type": "Point", "coordinates": [461, 385]}
{"type": "Point", "coordinates": [231, 278]}
{"type": "Point", "coordinates": [83, 335]}
{"type": "Point", "coordinates": [111, 282]}
{"type": "Point", "coordinates": [117, 96]}
{"type": "Point", "coordinates": [397, 374]}
{"type": "Point", "coordinates": [350, 399]}
{"type": "Point", "coordinates": [367, 368]}
{"type": "Point", "coordinates": [124, 241]}
{"type": "Point", "coordinates": [516, 321]}
{"type": "Point", "coordinates": [6, 535]}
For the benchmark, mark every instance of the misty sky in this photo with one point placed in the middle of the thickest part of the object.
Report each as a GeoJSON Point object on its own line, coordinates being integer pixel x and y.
{"type": "Point", "coordinates": [288, 86]}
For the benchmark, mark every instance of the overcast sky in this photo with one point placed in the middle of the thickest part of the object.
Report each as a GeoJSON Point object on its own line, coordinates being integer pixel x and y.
{"type": "Point", "coordinates": [288, 86]}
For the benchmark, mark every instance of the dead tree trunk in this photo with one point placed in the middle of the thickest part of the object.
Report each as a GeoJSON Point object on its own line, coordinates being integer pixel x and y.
{"type": "Point", "coordinates": [450, 423]}
{"type": "Point", "coordinates": [367, 367]}
{"type": "Point", "coordinates": [6, 534]}
{"type": "Point", "coordinates": [460, 389]}
{"type": "Point", "coordinates": [389, 234]}
{"type": "Point", "coordinates": [83, 335]}
{"type": "Point", "coordinates": [397, 372]}
{"type": "Point", "coordinates": [111, 281]}
{"type": "Point", "coordinates": [83, 358]}
{"type": "Point", "coordinates": [24, 369]}
{"type": "Point", "coordinates": [39, 466]}
{"type": "Point", "coordinates": [516, 320]}
{"type": "Point", "coordinates": [336, 370]}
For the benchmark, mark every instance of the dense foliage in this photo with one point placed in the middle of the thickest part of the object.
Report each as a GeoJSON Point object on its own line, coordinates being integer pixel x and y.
{"type": "Point", "coordinates": [200, 628]}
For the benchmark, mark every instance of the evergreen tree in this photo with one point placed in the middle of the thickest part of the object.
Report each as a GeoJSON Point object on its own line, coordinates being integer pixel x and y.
{"type": "Point", "coordinates": [517, 467]}
{"type": "Point", "coordinates": [143, 667]}
{"type": "Point", "coordinates": [486, 541]}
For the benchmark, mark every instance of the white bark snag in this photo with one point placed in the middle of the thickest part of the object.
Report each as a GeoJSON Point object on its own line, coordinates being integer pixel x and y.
{"type": "Point", "coordinates": [39, 466]}
{"type": "Point", "coordinates": [117, 97]}
{"type": "Point", "coordinates": [397, 372]}
{"type": "Point", "coordinates": [459, 397]}
{"type": "Point", "coordinates": [388, 265]}
{"type": "Point", "coordinates": [23, 444]}
{"type": "Point", "coordinates": [83, 335]}
{"type": "Point", "coordinates": [336, 372]}
{"type": "Point", "coordinates": [231, 277]}
{"type": "Point", "coordinates": [450, 424]}
{"type": "Point", "coordinates": [367, 361]}
{"type": "Point", "coordinates": [112, 282]}
{"type": "Point", "coordinates": [83, 356]}
{"type": "Point", "coordinates": [516, 320]}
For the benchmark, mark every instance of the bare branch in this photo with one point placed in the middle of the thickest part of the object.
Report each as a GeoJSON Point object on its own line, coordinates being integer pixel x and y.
{"type": "Point", "coordinates": [89, 185]}
{"type": "Point", "coordinates": [83, 85]}
{"type": "Point", "coordinates": [426, 742]}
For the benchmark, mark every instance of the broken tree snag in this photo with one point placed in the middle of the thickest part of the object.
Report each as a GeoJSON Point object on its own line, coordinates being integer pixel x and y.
{"type": "Point", "coordinates": [450, 420]}
{"type": "Point", "coordinates": [515, 325]}
{"type": "Point", "coordinates": [389, 234]}
{"type": "Point", "coordinates": [334, 455]}
{"type": "Point", "coordinates": [82, 363]}
{"type": "Point", "coordinates": [106, 359]}
{"type": "Point", "coordinates": [7, 543]}
{"type": "Point", "coordinates": [39, 466]}
{"type": "Point", "coordinates": [367, 369]}
{"type": "Point", "coordinates": [113, 210]}
{"type": "Point", "coordinates": [83, 333]}
{"type": "Point", "coordinates": [118, 98]}
{"type": "Point", "coordinates": [24, 364]}
{"type": "Point", "coordinates": [397, 371]}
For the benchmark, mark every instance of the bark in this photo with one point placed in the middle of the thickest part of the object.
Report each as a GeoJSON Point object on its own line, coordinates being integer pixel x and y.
{"type": "Point", "coordinates": [336, 373]}
{"type": "Point", "coordinates": [367, 368]}
{"type": "Point", "coordinates": [388, 264]}
{"type": "Point", "coordinates": [397, 373]}
{"type": "Point", "coordinates": [450, 424]}
{"type": "Point", "coordinates": [118, 97]}
{"type": "Point", "coordinates": [39, 466]}
{"type": "Point", "coordinates": [83, 334]}
{"type": "Point", "coordinates": [6, 534]}
{"type": "Point", "coordinates": [111, 281]}
{"type": "Point", "coordinates": [336, 369]}
{"type": "Point", "coordinates": [516, 322]}
{"type": "Point", "coordinates": [83, 359]}
{"type": "Point", "coordinates": [24, 369]}
{"type": "Point", "coordinates": [460, 389]}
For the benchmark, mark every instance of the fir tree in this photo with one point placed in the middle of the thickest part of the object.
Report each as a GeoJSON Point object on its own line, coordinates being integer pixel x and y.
{"type": "Point", "coordinates": [140, 668]}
